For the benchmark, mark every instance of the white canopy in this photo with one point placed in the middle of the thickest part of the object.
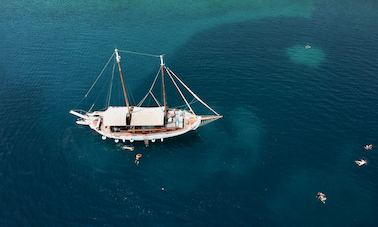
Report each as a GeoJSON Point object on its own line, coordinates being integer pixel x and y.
{"type": "Point", "coordinates": [115, 116]}
{"type": "Point", "coordinates": [147, 116]}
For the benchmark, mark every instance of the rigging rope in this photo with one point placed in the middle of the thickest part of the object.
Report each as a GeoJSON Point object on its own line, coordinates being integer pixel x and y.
{"type": "Point", "coordinates": [194, 100]}
{"type": "Point", "coordinates": [191, 92]}
{"type": "Point", "coordinates": [182, 95]}
{"type": "Point", "coordinates": [152, 86]}
{"type": "Point", "coordinates": [139, 53]}
{"type": "Point", "coordinates": [94, 83]}
{"type": "Point", "coordinates": [97, 97]}
{"type": "Point", "coordinates": [153, 96]}
{"type": "Point", "coordinates": [171, 74]}
{"type": "Point", "coordinates": [111, 86]}
{"type": "Point", "coordinates": [102, 71]}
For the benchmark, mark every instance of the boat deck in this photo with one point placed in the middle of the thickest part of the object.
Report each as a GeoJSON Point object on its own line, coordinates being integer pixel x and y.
{"type": "Point", "coordinates": [172, 127]}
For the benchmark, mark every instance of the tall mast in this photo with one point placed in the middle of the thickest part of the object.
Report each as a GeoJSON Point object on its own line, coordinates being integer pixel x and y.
{"type": "Point", "coordinates": [163, 83]}
{"type": "Point", "coordinates": [118, 59]}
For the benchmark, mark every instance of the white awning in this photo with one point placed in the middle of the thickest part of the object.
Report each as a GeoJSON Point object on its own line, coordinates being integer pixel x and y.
{"type": "Point", "coordinates": [147, 116]}
{"type": "Point", "coordinates": [115, 116]}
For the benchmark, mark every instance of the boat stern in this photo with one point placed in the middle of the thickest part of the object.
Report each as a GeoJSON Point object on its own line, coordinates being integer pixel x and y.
{"type": "Point", "coordinates": [86, 119]}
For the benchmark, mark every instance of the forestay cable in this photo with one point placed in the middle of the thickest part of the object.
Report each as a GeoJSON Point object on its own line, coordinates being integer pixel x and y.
{"type": "Point", "coordinates": [182, 95]}
{"type": "Point", "coordinates": [102, 71]}
{"type": "Point", "coordinates": [94, 83]}
{"type": "Point", "coordinates": [191, 92]}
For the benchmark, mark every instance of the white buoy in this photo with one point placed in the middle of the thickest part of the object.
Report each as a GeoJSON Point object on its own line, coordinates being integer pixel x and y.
{"type": "Point", "coordinates": [103, 137]}
{"type": "Point", "coordinates": [162, 139]}
{"type": "Point", "coordinates": [116, 140]}
{"type": "Point", "coordinates": [123, 140]}
{"type": "Point", "coordinates": [153, 140]}
{"type": "Point", "coordinates": [131, 140]}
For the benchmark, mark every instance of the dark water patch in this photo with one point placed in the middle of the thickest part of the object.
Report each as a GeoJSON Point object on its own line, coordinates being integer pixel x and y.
{"type": "Point", "coordinates": [313, 118]}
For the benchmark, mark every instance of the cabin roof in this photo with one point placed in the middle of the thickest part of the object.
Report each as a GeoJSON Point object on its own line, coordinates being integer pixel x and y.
{"type": "Point", "coordinates": [115, 116]}
{"type": "Point", "coordinates": [147, 116]}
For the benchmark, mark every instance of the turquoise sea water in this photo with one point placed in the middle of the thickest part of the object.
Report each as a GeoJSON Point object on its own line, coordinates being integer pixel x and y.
{"type": "Point", "coordinates": [294, 119]}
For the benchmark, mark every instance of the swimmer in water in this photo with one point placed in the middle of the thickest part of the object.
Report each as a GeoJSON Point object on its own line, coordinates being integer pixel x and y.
{"type": "Point", "coordinates": [137, 158]}
{"type": "Point", "coordinates": [130, 148]}
{"type": "Point", "coordinates": [368, 147]}
{"type": "Point", "coordinates": [361, 162]}
{"type": "Point", "coordinates": [321, 196]}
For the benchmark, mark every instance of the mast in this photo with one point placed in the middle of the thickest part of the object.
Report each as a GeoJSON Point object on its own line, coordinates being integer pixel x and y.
{"type": "Point", "coordinates": [163, 83]}
{"type": "Point", "coordinates": [118, 59]}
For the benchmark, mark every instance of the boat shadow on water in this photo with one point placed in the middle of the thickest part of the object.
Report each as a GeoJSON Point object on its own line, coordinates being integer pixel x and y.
{"type": "Point", "coordinates": [190, 140]}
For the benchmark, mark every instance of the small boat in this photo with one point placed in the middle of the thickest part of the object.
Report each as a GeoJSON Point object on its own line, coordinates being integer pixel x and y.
{"type": "Point", "coordinates": [137, 122]}
{"type": "Point", "coordinates": [307, 46]}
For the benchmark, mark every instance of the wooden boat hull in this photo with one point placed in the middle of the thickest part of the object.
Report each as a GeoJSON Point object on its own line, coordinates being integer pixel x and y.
{"type": "Point", "coordinates": [151, 136]}
{"type": "Point", "coordinates": [93, 120]}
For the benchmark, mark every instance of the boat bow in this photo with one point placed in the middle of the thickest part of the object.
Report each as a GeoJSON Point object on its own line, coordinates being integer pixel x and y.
{"type": "Point", "coordinates": [207, 119]}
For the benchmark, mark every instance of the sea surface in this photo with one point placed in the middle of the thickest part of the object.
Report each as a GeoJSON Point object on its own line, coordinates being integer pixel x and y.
{"type": "Point", "coordinates": [294, 121]}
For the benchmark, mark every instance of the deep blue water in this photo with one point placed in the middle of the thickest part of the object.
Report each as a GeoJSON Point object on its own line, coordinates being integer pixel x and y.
{"type": "Point", "coordinates": [289, 130]}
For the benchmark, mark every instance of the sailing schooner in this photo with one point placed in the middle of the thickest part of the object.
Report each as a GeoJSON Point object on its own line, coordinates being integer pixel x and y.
{"type": "Point", "coordinates": [145, 123]}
